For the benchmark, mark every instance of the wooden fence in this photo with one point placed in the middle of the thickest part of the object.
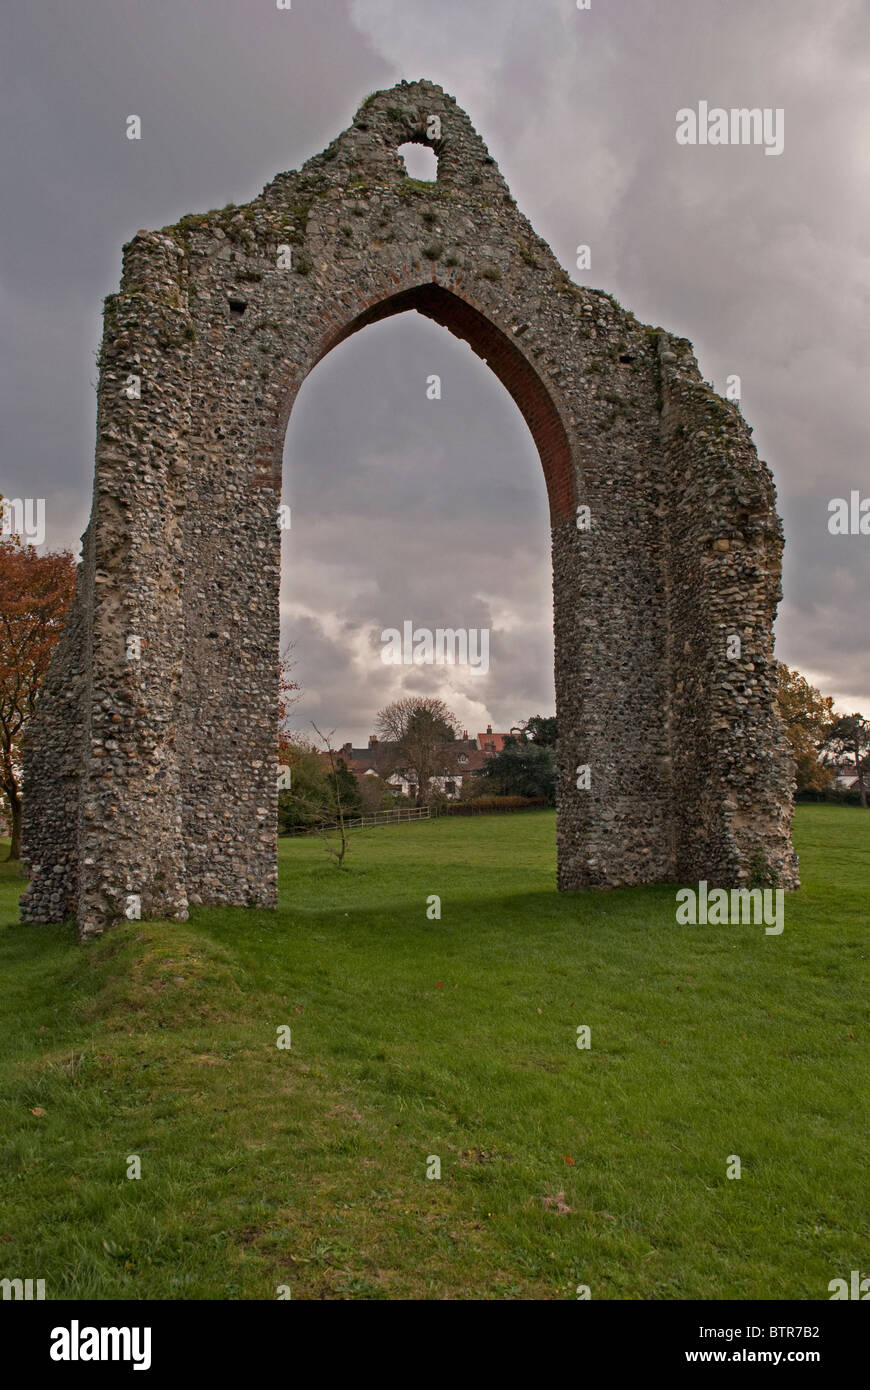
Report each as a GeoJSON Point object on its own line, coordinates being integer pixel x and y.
{"type": "Point", "coordinates": [400, 814]}
{"type": "Point", "coordinates": [391, 817]}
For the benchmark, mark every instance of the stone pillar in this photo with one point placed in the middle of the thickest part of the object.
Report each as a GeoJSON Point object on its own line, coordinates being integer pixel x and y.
{"type": "Point", "coordinates": [132, 853]}
{"type": "Point", "coordinates": [733, 769]}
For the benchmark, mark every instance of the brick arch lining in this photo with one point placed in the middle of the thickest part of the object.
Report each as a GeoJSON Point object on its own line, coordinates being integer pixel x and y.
{"type": "Point", "coordinates": [503, 357]}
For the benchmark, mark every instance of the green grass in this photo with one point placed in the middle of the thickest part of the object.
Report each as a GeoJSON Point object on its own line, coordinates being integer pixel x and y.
{"type": "Point", "coordinates": [457, 1038]}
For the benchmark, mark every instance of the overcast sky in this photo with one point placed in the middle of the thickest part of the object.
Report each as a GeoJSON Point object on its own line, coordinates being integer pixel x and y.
{"type": "Point", "coordinates": [405, 508]}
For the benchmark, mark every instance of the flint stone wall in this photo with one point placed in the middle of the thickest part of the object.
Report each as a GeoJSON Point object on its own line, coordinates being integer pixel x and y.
{"type": "Point", "coordinates": [150, 783]}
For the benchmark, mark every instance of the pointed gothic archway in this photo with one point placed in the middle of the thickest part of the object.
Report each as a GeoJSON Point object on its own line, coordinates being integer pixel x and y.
{"type": "Point", "coordinates": [150, 777]}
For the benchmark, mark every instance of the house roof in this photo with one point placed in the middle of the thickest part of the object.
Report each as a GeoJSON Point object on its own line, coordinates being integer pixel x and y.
{"type": "Point", "coordinates": [380, 758]}
{"type": "Point", "coordinates": [492, 743]}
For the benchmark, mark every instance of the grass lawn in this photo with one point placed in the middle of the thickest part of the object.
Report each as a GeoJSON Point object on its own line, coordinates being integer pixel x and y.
{"type": "Point", "coordinates": [455, 1038]}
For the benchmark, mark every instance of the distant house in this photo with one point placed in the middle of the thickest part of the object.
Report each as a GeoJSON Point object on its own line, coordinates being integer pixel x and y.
{"type": "Point", "coordinates": [847, 778]}
{"type": "Point", "coordinates": [490, 743]}
{"type": "Point", "coordinates": [463, 756]}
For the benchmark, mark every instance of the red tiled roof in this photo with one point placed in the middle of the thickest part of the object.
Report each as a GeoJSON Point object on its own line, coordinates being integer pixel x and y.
{"type": "Point", "coordinates": [493, 743]}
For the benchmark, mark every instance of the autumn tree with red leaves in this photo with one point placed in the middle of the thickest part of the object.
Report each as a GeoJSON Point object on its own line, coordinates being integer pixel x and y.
{"type": "Point", "coordinates": [35, 594]}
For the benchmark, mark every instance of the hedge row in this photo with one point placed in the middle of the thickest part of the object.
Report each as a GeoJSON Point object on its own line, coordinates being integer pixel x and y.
{"type": "Point", "coordinates": [488, 805]}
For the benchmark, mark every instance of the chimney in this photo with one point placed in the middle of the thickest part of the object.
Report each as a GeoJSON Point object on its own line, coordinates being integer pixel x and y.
{"type": "Point", "coordinates": [347, 750]}
{"type": "Point", "coordinates": [489, 728]}
{"type": "Point", "coordinates": [373, 740]}
{"type": "Point", "coordinates": [465, 734]}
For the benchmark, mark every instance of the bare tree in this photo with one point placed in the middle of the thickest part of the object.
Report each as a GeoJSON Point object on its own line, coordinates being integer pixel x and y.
{"type": "Point", "coordinates": [289, 691]}
{"type": "Point", "coordinates": [323, 831]}
{"type": "Point", "coordinates": [420, 730]}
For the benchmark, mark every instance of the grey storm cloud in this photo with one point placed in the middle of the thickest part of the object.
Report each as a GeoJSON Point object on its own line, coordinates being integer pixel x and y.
{"type": "Point", "coordinates": [435, 511]}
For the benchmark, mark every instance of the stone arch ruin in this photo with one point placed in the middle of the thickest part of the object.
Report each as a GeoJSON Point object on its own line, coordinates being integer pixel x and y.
{"type": "Point", "coordinates": [150, 778]}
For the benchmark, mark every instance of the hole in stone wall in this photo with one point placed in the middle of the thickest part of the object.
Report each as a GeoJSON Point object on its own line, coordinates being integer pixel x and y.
{"type": "Point", "coordinates": [420, 162]}
{"type": "Point", "coordinates": [238, 306]}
